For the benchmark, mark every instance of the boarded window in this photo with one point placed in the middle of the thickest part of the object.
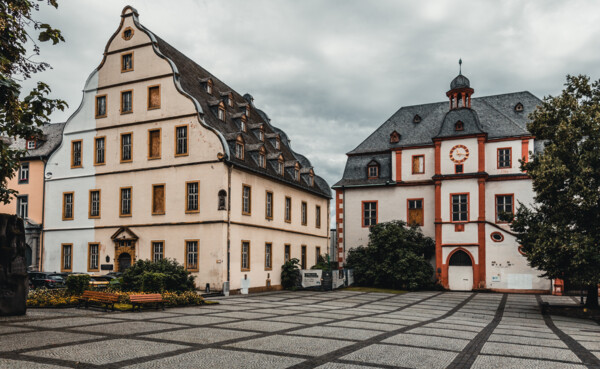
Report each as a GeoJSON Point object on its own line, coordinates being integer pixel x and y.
{"type": "Point", "coordinates": [154, 97]}
{"type": "Point", "coordinates": [158, 199]}
{"type": "Point", "coordinates": [415, 212]}
{"type": "Point", "coordinates": [418, 164]}
{"type": "Point", "coordinates": [154, 144]}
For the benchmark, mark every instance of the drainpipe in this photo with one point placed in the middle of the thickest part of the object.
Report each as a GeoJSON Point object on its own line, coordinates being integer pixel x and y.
{"type": "Point", "coordinates": [42, 233]}
{"type": "Point", "coordinates": [229, 169]}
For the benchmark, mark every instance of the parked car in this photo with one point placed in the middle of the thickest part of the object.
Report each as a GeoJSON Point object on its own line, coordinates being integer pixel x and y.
{"type": "Point", "coordinates": [46, 279]}
{"type": "Point", "coordinates": [100, 281]}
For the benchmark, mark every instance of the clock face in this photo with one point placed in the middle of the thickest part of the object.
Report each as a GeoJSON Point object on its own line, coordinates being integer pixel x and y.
{"type": "Point", "coordinates": [459, 154]}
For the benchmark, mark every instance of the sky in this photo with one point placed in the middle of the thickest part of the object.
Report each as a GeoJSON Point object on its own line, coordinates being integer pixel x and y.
{"type": "Point", "coordinates": [330, 72]}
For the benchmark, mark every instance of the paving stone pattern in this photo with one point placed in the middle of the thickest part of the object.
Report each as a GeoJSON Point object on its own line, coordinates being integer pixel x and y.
{"type": "Point", "coordinates": [327, 330]}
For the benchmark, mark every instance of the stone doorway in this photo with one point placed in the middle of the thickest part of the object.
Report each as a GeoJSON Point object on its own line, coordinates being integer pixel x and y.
{"type": "Point", "coordinates": [124, 261]}
{"type": "Point", "coordinates": [125, 244]}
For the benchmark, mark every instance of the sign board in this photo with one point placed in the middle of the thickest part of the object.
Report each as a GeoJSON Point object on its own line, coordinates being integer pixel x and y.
{"type": "Point", "coordinates": [311, 278]}
{"type": "Point", "coordinates": [495, 278]}
{"type": "Point", "coordinates": [245, 285]}
{"type": "Point", "coordinates": [106, 267]}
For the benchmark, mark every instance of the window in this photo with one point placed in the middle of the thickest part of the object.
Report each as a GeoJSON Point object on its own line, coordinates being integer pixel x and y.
{"type": "Point", "coordinates": [519, 107]}
{"type": "Point", "coordinates": [239, 149]}
{"type": "Point", "coordinates": [126, 147]}
{"type": "Point", "coordinates": [303, 258]}
{"type": "Point", "coordinates": [262, 162]}
{"type": "Point", "coordinates": [191, 255]}
{"type": "Point", "coordinates": [23, 206]}
{"type": "Point", "coordinates": [158, 199]}
{"type": "Point", "coordinates": [192, 191]}
{"type": "Point", "coordinates": [278, 143]}
{"type": "Point", "coordinates": [94, 205]}
{"type": "Point", "coordinates": [460, 207]}
{"type": "Point", "coordinates": [247, 110]}
{"type": "Point", "coordinates": [68, 205]}
{"type": "Point", "coordinates": [504, 158]}
{"type": "Point", "coordinates": [66, 257]}
{"type": "Point", "coordinates": [153, 97]}
{"type": "Point", "coordinates": [415, 212]}
{"type": "Point", "coordinates": [126, 102]}
{"type": "Point", "coordinates": [261, 135]}
{"type": "Point", "coordinates": [297, 173]}
{"type": "Point", "coordinates": [373, 170]}
{"type": "Point", "coordinates": [243, 124]}
{"type": "Point", "coordinates": [93, 256]}
{"type": "Point", "coordinates": [280, 167]}
{"type": "Point", "coordinates": [418, 164]}
{"type": "Point", "coordinates": [318, 216]}
{"type": "Point", "coordinates": [317, 254]}
{"type": "Point", "coordinates": [181, 140]}
{"type": "Point", "coordinates": [126, 62]}
{"type": "Point", "coordinates": [287, 253]}
{"type": "Point", "coordinates": [497, 237]}
{"type": "Point", "coordinates": [369, 213]}
{"type": "Point", "coordinates": [417, 118]}
{"type": "Point", "coordinates": [76, 154]}
{"type": "Point", "coordinates": [269, 205]}
{"type": "Point", "coordinates": [458, 168]}
{"type": "Point", "coordinates": [31, 144]}
{"type": "Point", "coordinates": [245, 261]}
{"type": "Point", "coordinates": [125, 202]}
{"type": "Point", "coordinates": [158, 250]}
{"type": "Point", "coordinates": [101, 106]}
{"type": "Point", "coordinates": [127, 34]}
{"type": "Point", "coordinates": [268, 256]}
{"type": "Point", "coordinates": [303, 213]}
{"type": "Point", "coordinates": [288, 209]}
{"type": "Point", "coordinates": [459, 126]}
{"type": "Point", "coordinates": [99, 150]}
{"type": "Point", "coordinates": [154, 144]}
{"type": "Point", "coordinates": [221, 112]}
{"type": "Point", "coordinates": [504, 206]}
{"type": "Point", "coordinates": [222, 200]}
{"type": "Point", "coordinates": [24, 173]}
{"type": "Point", "coordinates": [209, 86]}
{"type": "Point", "coordinates": [394, 137]}
{"type": "Point", "coordinates": [246, 200]}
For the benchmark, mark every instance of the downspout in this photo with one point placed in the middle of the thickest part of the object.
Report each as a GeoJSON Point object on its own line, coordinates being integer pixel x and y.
{"type": "Point", "coordinates": [229, 169]}
{"type": "Point", "coordinates": [42, 234]}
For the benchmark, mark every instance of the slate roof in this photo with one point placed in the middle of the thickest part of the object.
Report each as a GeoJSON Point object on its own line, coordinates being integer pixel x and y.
{"type": "Point", "coordinates": [493, 115]}
{"type": "Point", "coordinates": [50, 140]}
{"type": "Point", "coordinates": [193, 77]}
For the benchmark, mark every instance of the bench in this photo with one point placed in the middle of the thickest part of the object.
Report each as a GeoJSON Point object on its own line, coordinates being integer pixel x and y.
{"type": "Point", "coordinates": [139, 300]}
{"type": "Point", "coordinates": [96, 297]}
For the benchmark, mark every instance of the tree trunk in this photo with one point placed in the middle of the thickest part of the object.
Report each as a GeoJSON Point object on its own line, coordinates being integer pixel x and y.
{"type": "Point", "coordinates": [592, 297]}
{"type": "Point", "coordinates": [13, 270]}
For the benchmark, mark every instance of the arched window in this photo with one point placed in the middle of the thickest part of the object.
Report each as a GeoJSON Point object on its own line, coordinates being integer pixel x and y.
{"type": "Point", "coordinates": [239, 148]}
{"type": "Point", "coordinates": [209, 86]}
{"type": "Point", "coordinates": [222, 200]}
{"type": "Point", "coordinates": [280, 165]}
{"type": "Point", "coordinates": [519, 107]}
{"type": "Point", "coordinates": [243, 121]}
{"type": "Point", "coordinates": [459, 126]}
{"type": "Point", "coordinates": [230, 99]}
{"type": "Point", "coordinates": [460, 258]}
{"type": "Point", "coordinates": [373, 169]}
{"type": "Point", "coordinates": [262, 159]}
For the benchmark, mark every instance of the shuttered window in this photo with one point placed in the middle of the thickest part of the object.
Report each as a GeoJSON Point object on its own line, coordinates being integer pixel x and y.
{"type": "Point", "coordinates": [415, 212]}
{"type": "Point", "coordinates": [153, 97]}
{"type": "Point", "coordinates": [418, 164]}
{"type": "Point", "coordinates": [158, 199]}
{"type": "Point", "coordinates": [154, 144]}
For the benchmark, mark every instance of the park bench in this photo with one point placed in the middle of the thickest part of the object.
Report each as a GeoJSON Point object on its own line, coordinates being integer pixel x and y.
{"type": "Point", "coordinates": [101, 298]}
{"type": "Point", "coordinates": [139, 300]}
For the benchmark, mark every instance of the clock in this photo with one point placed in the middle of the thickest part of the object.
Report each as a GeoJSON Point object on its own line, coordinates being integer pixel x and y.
{"type": "Point", "coordinates": [459, 153]}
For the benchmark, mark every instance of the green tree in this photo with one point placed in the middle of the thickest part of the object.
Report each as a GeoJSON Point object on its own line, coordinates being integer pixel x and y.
{"type": "Point", "coordinates": [560, 233]}
{"type": "Point", "coordinates": [397, 257]}
{"type": "Point", "coordinates": [164, 274]}
{"type": "Point", "coordinates": [290, 274]}
{"type": "Point", "coordinates": [22, 113]}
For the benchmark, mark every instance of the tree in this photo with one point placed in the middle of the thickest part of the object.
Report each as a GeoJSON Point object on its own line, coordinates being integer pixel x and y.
{"type": "Point", "coordinates": [21, 115]}
{"type": "Point", "coordinates": [290, 274]}
{"type": "Point", "coordinates": [560, 234]}
{"type": "Point", "coordinates": [167, 274]}
{"type": "Point", "coordinates": [397, 257]}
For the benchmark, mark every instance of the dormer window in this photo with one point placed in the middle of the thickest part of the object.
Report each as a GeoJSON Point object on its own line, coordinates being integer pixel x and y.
{"type": "Point", "coordinates": [394, 137]}
{"type": "Point", "coordinates": [262, 160]}
{"type": "Point", "coordinates": [312, 178]}
{"type": "Point", "coordinates": [239, 148]}
{"type": "Point", "coordinates": [278, 143]}
{"type": "Point", "coordinates": [297, 172]}
{"type": "Point", "coordinates": [248, 110]}
{"type": "Point", "coordinates": [261, 135]}
{"type": "Point", "coordinates": [417, 118]}
{"type": "Point", "coordinates": [243, 123]}
{"type": "Point", "coordinates": [280, 166]}
{"type": "Point", "coordinates": [519, 107]}
{"type": "Point", "coordinates": [221, 113]}
{"type": "Point", "coordinates": [230, 99]}
{"type": "Point", "coordinates": [31, 144]}
{"type": "Point", "coordinates": [373, 170]}
{"type": "Point", "coordinates": [209, 86]}
{"type": "Point", "coordinates": [459, 126]}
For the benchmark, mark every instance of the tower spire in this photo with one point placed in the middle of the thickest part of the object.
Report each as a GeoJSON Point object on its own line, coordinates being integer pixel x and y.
{"type": "Point", "coordinates": [459, 66]}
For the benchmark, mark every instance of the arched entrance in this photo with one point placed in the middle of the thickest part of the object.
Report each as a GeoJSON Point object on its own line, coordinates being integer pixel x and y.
{"type": "Point", "coordinates": [460, 272]}
{"type": "Point", "coordinates": [124, 261]}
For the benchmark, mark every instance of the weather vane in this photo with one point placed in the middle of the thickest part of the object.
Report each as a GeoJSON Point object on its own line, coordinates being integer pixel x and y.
{"type": "Point", "coordinates": [459, 66]}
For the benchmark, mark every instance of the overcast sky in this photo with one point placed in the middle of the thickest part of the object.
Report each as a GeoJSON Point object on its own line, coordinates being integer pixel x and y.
{"type": "Point", "coordinates": [330, 72]}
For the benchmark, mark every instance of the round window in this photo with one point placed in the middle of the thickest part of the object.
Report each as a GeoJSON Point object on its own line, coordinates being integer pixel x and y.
{"type": "Point", "coordinates": [521, 250]}
{"type": "Point", "coordinates": [497, 237]}
{"type": "Point", "coordinates": [127, 33]}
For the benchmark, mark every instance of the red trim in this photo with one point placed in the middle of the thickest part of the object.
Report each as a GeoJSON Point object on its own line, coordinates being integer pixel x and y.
{"type": "Point", "coordinates": [446, 265]}
{"type": "Point", "coordinates": [422, 208]}
{"type": "Point", "coordinates": [468, 207]}
{"type": "Point", "coordinates": [453, 138]}
{"type": "Point", "coordinates": [413, 164]}
{"type": "Point", "coordinates": [496, 206]}
{"type": "Point", "coordinates": [463, 176]}
{"type": "Point", "coordinates": [498, 157]}
{"type": "Point", "coordinates": [438, 227]}
{"type": "Point", "coordinates": [438, 158]}
{"type": "Point", "coordinates": [481, 153]}
{"type": "Point", "coordinates": [459, 227]}
{"type": "Point", "coordinates": [493, 239]}
{"type": "Point", "coordinates": [398, 165]}
{"type": "Point", "coordinates": [525, 150]}
{"type": "Point", "coordinates": [508, 178]}
{"type": "Point", "coordinates": [415, 183]}
{"type": "Point", "coordinates": [362, 215]}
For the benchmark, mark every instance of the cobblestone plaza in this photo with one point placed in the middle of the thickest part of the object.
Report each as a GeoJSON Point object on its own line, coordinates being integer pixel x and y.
{"type": "Point", "coordinates": [309, 330]}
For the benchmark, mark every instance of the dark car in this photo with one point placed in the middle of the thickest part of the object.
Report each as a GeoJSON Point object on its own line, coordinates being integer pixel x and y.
{"type": "Point", "coordinates": [46, 279]}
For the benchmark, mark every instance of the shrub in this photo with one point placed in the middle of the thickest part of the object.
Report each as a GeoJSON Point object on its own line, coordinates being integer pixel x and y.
{"type": "Point", "coordinates": [77, 283]}
{"type": "Point", "coordinates": [153, 282]}
{"type": "Point", "coordinates": [176, 278]}
{"type": "Point", "coordinates": [42, 297]}
{"type": "Point", "coordinates": [290, 274]}
{"type": "Point", "coordinates": [397, 257]}
{"type": "Point", "coordinates": [322, 264]}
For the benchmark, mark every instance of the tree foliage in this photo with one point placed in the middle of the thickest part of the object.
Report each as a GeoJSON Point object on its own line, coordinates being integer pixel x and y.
{"type": "Point", "coordinates": [21, 112]}
{"type": "Point", "coordinates": [560, 234]}
{"type": "Point", "coordinates": [397, 256]}
{"type": "Point", "coordinates": [290, 274]}
{"type": "Point", "coordinates": [156, 276]}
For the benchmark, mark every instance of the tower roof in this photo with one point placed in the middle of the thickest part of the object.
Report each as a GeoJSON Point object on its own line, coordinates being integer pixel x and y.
{"type": "Point", "coordinates": [460, 82]}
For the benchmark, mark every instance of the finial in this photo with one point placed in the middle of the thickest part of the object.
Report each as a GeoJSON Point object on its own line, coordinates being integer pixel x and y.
{"type": "Point", "coordinates": [459, 66]}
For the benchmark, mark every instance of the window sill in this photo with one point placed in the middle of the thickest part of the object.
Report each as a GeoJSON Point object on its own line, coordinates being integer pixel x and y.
{"type": "Point", "coordinates": [76, 166]}
{"type": "Point", "coordinates": [127, 112]}
{"type": "Point", "coordinates": [124, 215]}
{"type": "Point", "coordinates": [192, 211]}
{"type": "Point", "coordinates": [94, 217]}
{"type": "Point", "coordinates": [153, 157]}
{"type": "Point", "coordinates": [163, 213]}
{"type": "Point", "coordinates": [245, 270]}
{"type": "Point", "coordinates": [153, 108]}
{"type": "Point", "coordinates": [268, 269]}
{"type": "Point", "coordinates": [99, 164]}
{"type": "Point", "coordinates": [248, 214]}
{"type": "Point", "coordinates": [179, 155]}
{"type": "Point", "coordinates": [100, 116]}
{"type": "Point", "coordinates": [65, 219]}
{"type": "Point", "coordinates": [126, 161]}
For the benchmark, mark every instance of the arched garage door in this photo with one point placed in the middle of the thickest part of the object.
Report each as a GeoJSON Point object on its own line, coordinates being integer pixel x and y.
{"type": "Point", "coordinates": [460, 272]}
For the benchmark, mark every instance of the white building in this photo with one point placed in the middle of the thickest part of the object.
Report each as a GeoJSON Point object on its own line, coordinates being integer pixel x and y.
{"type": "Point", "coordinates": [451, 167]}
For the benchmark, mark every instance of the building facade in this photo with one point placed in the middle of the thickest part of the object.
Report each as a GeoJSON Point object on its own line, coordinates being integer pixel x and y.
{"type": "Point", "coordinates": [164, 160]}
{"type": "Point", "coordinates": [28, 203]}
{"type": "Point", "coordinates": [453, 169]}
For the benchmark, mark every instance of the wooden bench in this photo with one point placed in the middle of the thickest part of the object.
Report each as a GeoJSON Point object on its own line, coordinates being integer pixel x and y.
{"type": "Point", "coordinates": [101, 298]}
{"type": "Point", "coordinates": [139, 300]}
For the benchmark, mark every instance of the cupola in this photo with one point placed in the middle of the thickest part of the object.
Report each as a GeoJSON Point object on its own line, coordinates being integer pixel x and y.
{"type": "Point", "coordinates": [460, 91]}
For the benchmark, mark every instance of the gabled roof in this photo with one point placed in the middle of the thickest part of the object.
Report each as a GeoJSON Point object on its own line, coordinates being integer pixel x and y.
{"type": "Point", "coordinates": [50, 140]}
